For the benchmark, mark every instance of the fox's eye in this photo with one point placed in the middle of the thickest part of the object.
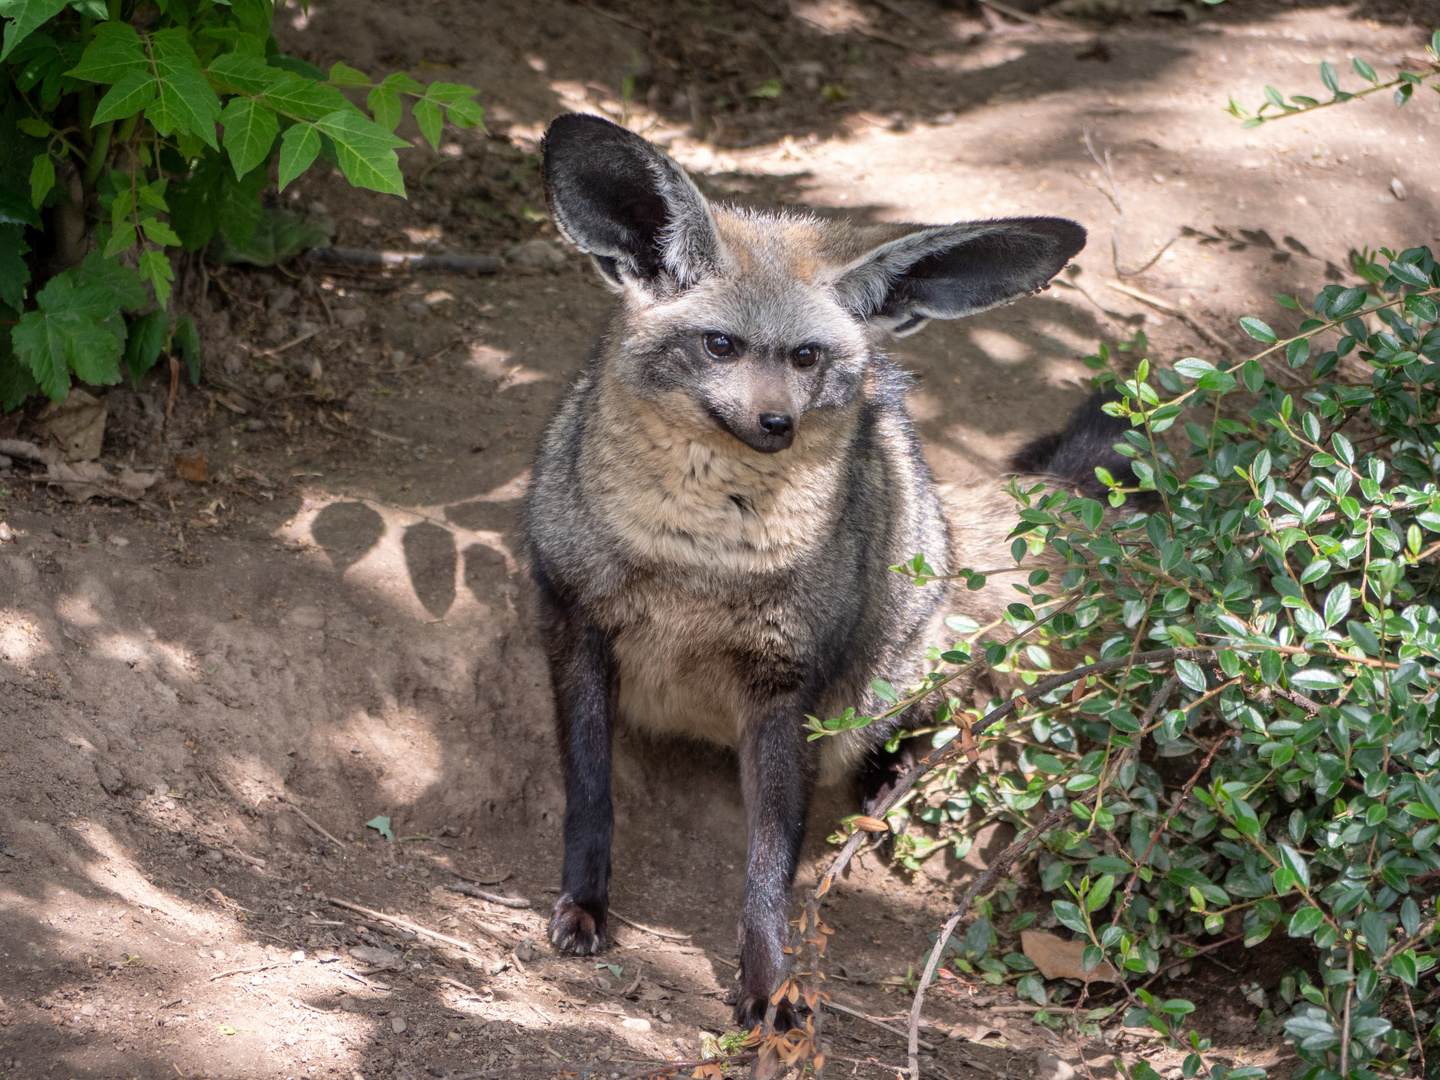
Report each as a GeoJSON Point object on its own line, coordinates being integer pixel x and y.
{"type": "Point", "coordinates": [806, 355]}
{"type": "Point", "coordinates": [720, 346]}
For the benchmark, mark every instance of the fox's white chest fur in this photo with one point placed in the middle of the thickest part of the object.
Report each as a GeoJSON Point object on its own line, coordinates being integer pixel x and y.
{"type": "Point", "coordinates": [683, 494]}
{"type": "Point", "coordinates": [702, 518]}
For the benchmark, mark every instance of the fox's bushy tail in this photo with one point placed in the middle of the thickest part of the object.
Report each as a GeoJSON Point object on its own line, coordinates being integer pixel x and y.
{"type": "Point", "coordinates": [1088, 440]}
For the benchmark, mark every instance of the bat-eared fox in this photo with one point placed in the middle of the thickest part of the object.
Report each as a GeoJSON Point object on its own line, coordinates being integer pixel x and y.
{"type": "Point", "coordinates": [717, 501]}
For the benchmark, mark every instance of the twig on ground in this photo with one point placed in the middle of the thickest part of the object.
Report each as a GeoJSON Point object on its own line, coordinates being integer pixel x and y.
{"type": "Point", "coordinates": [465, 888]}
{"type": "Point", "coordinates": [29, 451]}
{"type": "Point", "coordinates": [405, 924]}
{"type": "Point", "coordinates": [626, 1070]}
{"type": "Point", "coordinates": [478, 880]}
{"type": "Point", "coordinates": [1201, 951]}
{"type": "Point", "coordinates": [878, 1023]}
{"type": "Point", "coordinates": [1021, 16]}
{"type": "Point", "coordinates": [1114, 196]}
{"type": "Point", "coordinates": [363, 981]}
{"type": "Point", "coordinates": [105, 491]}
{"type": "Point", "coordinates": [315, 825]}
{"type": "Point", "coordinates": [246, 971]}
{"type": "Point", "coordinates": [650, 929]}
{"type": "Point", "coordinates": [278, 349]}
{"type": "Point", "coordinates": [1145, 858]}
{"type": "Point", "coordinates": [456, 983]}
{"type": "Point", "coordinates": [1179, 313]}
{"type": "Point", "coordinates": [1415, 1026]}
{"type": "Point", "coordinates": [412, 260]}
{"type": "Point", "coordinates": [1000, 866]}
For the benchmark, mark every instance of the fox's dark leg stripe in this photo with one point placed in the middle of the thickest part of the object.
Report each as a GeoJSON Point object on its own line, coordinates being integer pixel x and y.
{"type": "Point", "coordinates": [777, 781]}
{"type": "Point", "coordinates": [581, 670]}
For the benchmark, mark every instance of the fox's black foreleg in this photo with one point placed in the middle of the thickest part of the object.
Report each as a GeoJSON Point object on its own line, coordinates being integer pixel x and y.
{"type": "Point", "coordinates": [582, 673]}
{"type": "Point", "coordinates": [777, 776]}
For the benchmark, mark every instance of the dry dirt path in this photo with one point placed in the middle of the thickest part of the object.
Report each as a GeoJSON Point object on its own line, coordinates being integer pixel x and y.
{"type": "Point", "coordinates": [204, 699]}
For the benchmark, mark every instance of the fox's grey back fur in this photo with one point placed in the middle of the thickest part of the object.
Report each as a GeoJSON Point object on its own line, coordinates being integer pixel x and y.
{"type": "Point", "coordinates": [711, 530]}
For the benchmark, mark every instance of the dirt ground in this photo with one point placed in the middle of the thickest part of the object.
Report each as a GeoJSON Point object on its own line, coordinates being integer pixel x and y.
{"type": "Point", "coordinates": [209, 689]}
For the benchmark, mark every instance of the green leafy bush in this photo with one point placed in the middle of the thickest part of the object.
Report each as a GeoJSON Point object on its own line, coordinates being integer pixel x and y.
{"type": "Point", "coordinates": [1405, 83]}
{"type": "Point", "coordinates": [133, 131]}
{"type": "Point", "coordinates": [1258, 752]}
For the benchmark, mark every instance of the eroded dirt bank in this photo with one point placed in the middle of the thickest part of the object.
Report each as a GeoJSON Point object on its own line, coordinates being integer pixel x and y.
{"type": "Point", "coordinates": [205, 695]}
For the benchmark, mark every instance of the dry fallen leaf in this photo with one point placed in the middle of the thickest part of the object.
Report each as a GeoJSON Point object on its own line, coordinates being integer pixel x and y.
{"type": "Point", "coordinates": [77, 424]}
{"type": "Point", "coordinates": [192, 470]}
{"type": "Point", "coordinates": [1060, 959]}
{"type": "Point", "coordinates": [81, 480]}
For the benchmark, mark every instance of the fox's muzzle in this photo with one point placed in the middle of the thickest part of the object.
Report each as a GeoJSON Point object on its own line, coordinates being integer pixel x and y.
{"type": "Point", "coordinates": [768, 432]}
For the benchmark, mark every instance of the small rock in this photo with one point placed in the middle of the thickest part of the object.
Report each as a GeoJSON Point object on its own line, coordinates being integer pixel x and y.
{"type": "Point", "coordinates": [351, 318]}
{"type": "Point", "coordinates": [495, 967]}
{"type": "Point", "coordinates": [527, 951]}
{"type": "Point", "coordinates": [5, 462]}
{"type": "Point", "coordinates": [307, 618]}
{"type": "Point", "coordinates": [6, 533]}
{"type": "Point", "coordinates": [417, 307]}
{"type": "Point", "coordinates": [1050, 1067]}
{"type": "Point", "coordinates": [1397, 188]}
{"type": "Point", "coordinates": [397, 1025]}
{"type": "Point", "coordinates": [298, 955]}
{"type": "Point", "coordinates": [280, 299]}
{"type": "Point", "coordinates": [319, 209]}
{"type": "Point", "coordinates": [169, 804]}
{"type": "Point", "coordinates": [636, 1023]}
{"type": "Point", "coordinates": [118, 541]}
{"type": "Point", "coordinates": [215, 855]}
{"type": "Point", "coordinates": [274, 382]}
{"type": "Point", "coordinates": [305, 326]}
{"type": "Point", "coordinates": [381, 958]}
{"type": "Point", "coordinates": [397, 358]}
{"type": "Point", "coordinates": [539, 253]}
{"type": "Point", "coordinates": [453, 1038]}
{"type": "Point", "coordinates": [138, 795]}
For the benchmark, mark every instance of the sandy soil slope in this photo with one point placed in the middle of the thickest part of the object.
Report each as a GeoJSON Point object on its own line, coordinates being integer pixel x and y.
{"type": "Point", "coordinates": [205, 695]}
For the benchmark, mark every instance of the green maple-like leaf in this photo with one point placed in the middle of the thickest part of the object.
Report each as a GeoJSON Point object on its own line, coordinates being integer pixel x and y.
{"type": "Point", "coordinates": [250, 130]}
{"type": "Point", "coordinates": [366, 151]}
{"type": "Point", "coordinates": [115, 52]}
{"type": "Point", "coordinates": [185, 101]}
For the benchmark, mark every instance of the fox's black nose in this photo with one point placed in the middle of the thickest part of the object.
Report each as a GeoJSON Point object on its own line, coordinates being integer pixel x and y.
{"type": "Point", "coordinates": [777, 424]}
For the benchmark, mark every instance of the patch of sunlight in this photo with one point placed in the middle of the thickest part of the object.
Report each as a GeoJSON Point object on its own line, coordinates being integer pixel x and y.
{"type": "Point", "coordinates": [404, 741]}
{"type": "Point", "coordinates": [20, 639]}
{"type": "Point", "coordinates": [383, 566]}
{"type": "Point", "coordinates": [493, 363]}
{"type": "Point", "coordinates": [999, 346]}
{"type": "Point", "coordinates": [78, 610]}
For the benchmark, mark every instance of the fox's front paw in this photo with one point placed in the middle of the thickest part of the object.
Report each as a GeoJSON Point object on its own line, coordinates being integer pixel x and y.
{"type": "Point", "coordinates": [750, 1010]}
{"type": "Point", "coordinates": [577, 928]}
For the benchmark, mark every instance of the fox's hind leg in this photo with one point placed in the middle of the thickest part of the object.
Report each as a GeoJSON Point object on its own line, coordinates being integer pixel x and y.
{"type": "Point", "coordinates": [881, 772]}
{"type": "Point", "coordinates": [581, 670]}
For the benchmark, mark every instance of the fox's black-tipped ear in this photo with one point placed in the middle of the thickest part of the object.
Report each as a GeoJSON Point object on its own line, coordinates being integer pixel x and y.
{"type": "Point", "coordinates": [622, 200]}
{"type": "Point", "coordinates": [948, 271]}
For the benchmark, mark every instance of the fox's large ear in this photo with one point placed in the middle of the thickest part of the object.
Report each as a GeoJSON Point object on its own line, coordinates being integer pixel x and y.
{"type": "Point", "coordinates": [625, 202]}
{"type": "Point", "coordinates": [949, 271]}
